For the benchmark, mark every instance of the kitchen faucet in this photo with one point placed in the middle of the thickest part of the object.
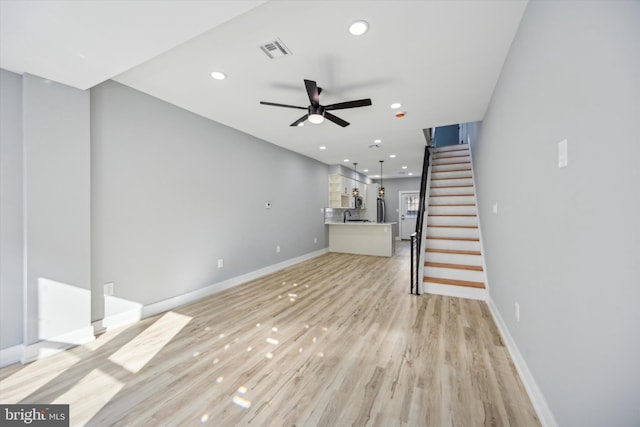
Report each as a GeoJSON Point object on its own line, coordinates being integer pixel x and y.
{"type": "Point", "coordinates": [344, 216]}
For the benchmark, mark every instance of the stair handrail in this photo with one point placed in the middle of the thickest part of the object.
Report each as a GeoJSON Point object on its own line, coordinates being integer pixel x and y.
{"type": "Point", "coordinates": [420, 217]}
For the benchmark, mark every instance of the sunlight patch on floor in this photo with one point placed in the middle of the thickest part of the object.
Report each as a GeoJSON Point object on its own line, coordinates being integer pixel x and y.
{"type": "Point", "coordinates": [34, 376]}
{"type": "Point", "coordinates": [89, 395]}
{"type": "Point", "coordinates": [134, 355]}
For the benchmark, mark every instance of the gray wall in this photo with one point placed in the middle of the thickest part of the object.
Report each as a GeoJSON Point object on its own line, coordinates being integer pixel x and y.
{"type": "Point", "coordinates": [174, 192]}
{"type": "Point", "coordinates": [57, 202]}
{"type": "Point", "coordinates": [565, 243]}
{"type": "Point", "coordinates": [11, 241]}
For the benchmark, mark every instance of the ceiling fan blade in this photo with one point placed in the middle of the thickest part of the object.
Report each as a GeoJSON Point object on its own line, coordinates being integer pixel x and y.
{"type": "Point", "coordinates": [300, 120]}
{"type": "Point", "coordinates": [336, 120]}
{"type": "Point", "coordinates": [312, 91]}
{"type": "Point", "coordinates": [282, 105]}
{"type": "Point", "coordinates": [348, 104]}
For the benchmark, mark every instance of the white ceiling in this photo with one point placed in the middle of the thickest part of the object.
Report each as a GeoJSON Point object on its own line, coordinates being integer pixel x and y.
{"type": "Point", "coordinates": [440, 59]}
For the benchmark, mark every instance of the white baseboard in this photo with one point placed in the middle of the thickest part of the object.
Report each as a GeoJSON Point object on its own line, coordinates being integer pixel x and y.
{"type": "Point", "coordinates": [171, 303]}
{"type": "Point", "coordinates": [53, 345]}
{"type": "Point", "coordinates": [454, 291]}
{"type": "Point", "coordinates": [133, 313]}
{"type": "Point", "coordinates": [11, 355]}
{"type": "Point", "coordinates": [535, 394]}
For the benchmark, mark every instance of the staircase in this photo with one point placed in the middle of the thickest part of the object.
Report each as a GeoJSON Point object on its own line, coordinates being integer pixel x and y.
{"type": "Point", "coordinates": [453, 263]}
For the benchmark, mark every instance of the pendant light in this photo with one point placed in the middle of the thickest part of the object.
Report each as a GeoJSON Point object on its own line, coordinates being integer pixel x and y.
{"type": "Point", "coordinates": [381, 189]}
{"type": "Point", "coordinates": [355, 191]}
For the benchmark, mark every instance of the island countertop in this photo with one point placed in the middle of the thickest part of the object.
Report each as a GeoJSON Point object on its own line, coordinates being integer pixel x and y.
{"type": "Point", "coordinates": [362, 238]}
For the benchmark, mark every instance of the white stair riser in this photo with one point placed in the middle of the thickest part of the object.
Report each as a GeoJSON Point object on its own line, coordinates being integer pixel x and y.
{"type": "Point", "coordinates": [450, 191]}
{"type": "Point", "coordinates": [454, 273]}
{"type": "Point", "coordinates": [452, 155]}
{"type": "Point", "coordinates": [451, 210]}
{"type": "Point", "coordinates": [467, 233]}
{"type": "Point", "coordinates": [451, 220]}
{"type": "Point", "coordinates": [454, 291]}
{"type": "Point", "coordinates": [446, 167]}
{"type": "Point", "coordinates": [451, 182]}
{"type": "Point", "coordinates": [453, 258]}
{"type": "Point", "coordinates": [450, 148]}
{"type": "Point", "coordinates": [451, 200]}
{"type": "Point", "coordinates": [451, 174]}
{"type": "Point", "coordinates": [460, 245]}
{"type": "Point", "coordinates": [449, 160]}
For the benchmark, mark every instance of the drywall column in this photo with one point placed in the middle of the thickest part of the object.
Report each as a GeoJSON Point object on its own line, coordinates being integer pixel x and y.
{"type": "Point", "coordinates": [56, 138]}
{"type": "Point", "coordinates": [11, 243]}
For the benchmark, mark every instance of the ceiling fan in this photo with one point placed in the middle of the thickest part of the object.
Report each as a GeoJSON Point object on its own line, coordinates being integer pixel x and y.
{"type": "Point", "coordinates": [316, 113]}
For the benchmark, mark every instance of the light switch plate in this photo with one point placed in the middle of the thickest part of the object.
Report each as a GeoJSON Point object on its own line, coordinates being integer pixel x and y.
{"type": "Point", "coordinates": [221, 263]}
{"type": "Point", "coordinates": [563, 159]}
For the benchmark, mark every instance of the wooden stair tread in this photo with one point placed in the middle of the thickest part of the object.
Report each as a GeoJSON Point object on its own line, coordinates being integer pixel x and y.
{"type": "Point", "coordinates": [454, 266]}
{"type": "Point", "coordinates": [452, 170]}
{"type": "Point", "coordinates": [458, 163]}
{"type": "Point", "coordinates": [454, 204]}
{"type": "Point", "coordinates": [452, 215]}
{"type": "Point", "coordinates": [452, 226]}
{"type": "Point", "coordinates": [450, 195]}
{"type": "Point", "coordinates": [450, 157]}
{"type": "Point", "coordinates": [454, 282]}
{"type": "Point", "coordinates": [456, 177]}
{"type": "Point", "coordinates": [451, 151]}
{"type": "Point", "coordinates": [453, 186]}
{"type": "Point", "coordinates": [464, 239]}
{"type": "Point", "coordinates": [453, 251]}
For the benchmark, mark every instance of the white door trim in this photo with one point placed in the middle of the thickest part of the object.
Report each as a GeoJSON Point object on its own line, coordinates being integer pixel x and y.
{"type": "Point", "coordinates": [400, 194]}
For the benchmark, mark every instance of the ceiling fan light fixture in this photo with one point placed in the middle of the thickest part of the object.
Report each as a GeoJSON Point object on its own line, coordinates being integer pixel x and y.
{"type": "Point", "coordinates": [358, 28]}
{"type": "Point", "coordinates": [316, 119]}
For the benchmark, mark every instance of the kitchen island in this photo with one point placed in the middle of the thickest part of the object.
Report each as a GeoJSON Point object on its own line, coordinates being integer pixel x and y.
{"type": "Point", "coordinates": [362, 238]}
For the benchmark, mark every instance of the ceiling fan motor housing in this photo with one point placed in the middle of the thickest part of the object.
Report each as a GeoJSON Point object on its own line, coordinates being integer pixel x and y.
{"type": "Point", "coordinates": [318, 109]}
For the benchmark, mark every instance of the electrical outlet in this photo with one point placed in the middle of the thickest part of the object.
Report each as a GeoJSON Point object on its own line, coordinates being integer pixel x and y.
{"type": "Point", "coordinates": [221, 263]}
{"type": "Point", "coordinates": [495, 208]}
{"type": "Point", "coordinates": [315, 240]}
{"type": "Point", "coordinates": [278, 248]}
{"type": "Point", "coordinates": [517, 312]}
{"type": "Point", "coordinates": [109, 288]}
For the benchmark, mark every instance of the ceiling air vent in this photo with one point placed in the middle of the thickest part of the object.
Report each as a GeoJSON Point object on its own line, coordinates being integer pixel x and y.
{"type": "Point", "coordinates": [275, 49]}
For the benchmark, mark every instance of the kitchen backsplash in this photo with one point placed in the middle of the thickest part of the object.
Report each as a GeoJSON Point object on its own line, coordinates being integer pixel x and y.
{"type": "Point", "coordinates": [337, 214]}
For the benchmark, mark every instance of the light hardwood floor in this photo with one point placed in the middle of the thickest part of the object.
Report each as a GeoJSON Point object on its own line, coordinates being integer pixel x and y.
{"type": "Point", "coordinates": [334, 341]}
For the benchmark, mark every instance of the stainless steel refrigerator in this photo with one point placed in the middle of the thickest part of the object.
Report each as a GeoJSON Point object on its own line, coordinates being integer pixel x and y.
{"type": "Point", "coordinates": [381, 210]}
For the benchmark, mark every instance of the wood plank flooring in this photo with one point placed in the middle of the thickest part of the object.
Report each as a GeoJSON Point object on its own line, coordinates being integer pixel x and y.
{"type": "Point", "coordinates": [334, 341]}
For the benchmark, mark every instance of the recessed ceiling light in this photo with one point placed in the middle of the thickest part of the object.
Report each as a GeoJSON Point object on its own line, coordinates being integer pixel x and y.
{"type": "Point", "coordinates": [358, 28]}
{"type": "Point", "coordinates": [400, 114]}
{"type": "Point", "coordinates": [377, 141]}
{"type": "Point", "coordinates": [395, 105]}
{"type": "Point", "coordinates": [404, 167]}
{"type": "Point", "coordinates": [410, 173]}
{"type": "Point", "coordinates": [323, 148]}
{"type": "Point", "coordinates": [393, 156]}
{"type": "Point", "coordinates": [346, 160]}
{"type": "Point", "coordinates": [218, 75]}
{"type": "Point", "coordinates": [366, 170]}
